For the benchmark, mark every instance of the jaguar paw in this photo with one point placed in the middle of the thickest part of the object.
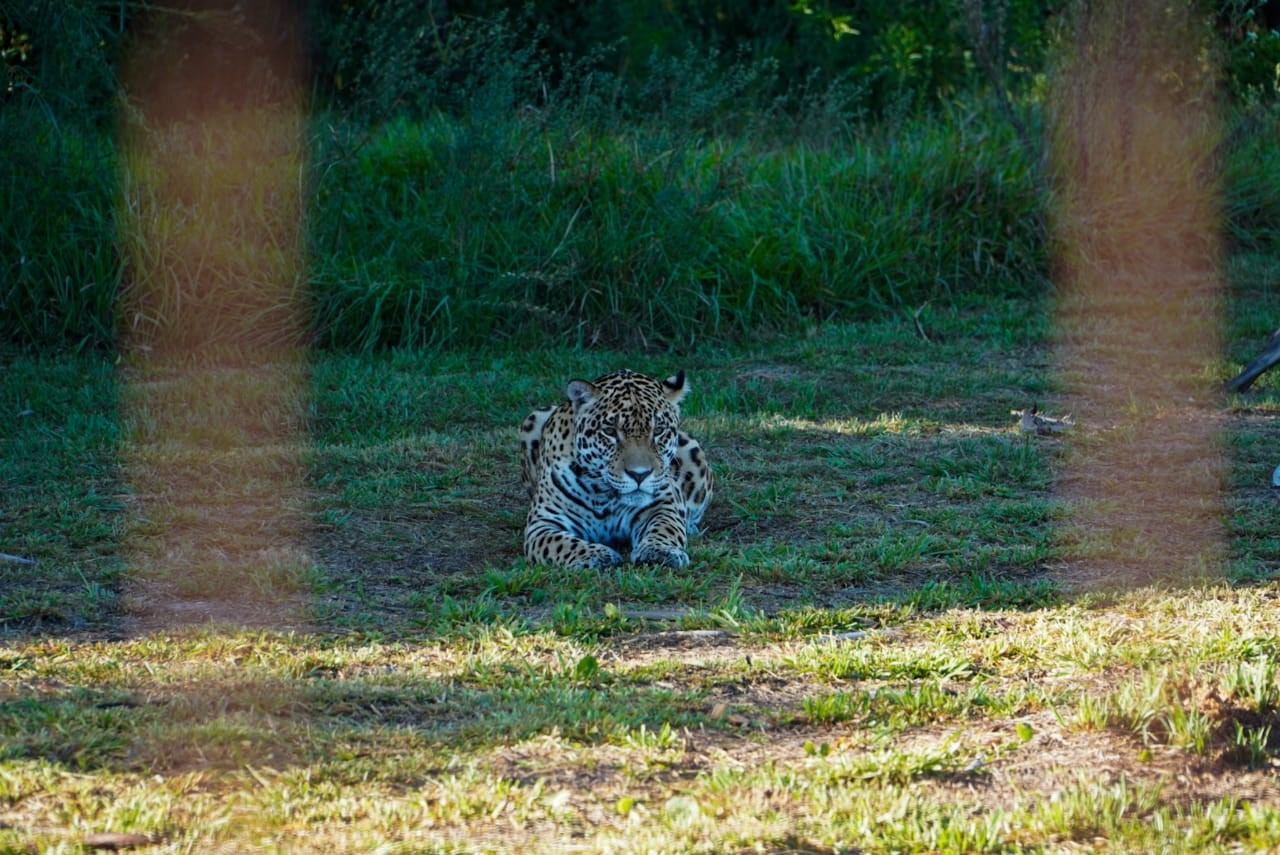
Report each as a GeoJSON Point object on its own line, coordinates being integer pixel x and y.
{"type": "Point", "coordinates": [668, 556]}
{"type": "Point", "coordinates": [598, 557]}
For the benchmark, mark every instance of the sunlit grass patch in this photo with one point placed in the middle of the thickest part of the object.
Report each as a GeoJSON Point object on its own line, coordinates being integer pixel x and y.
{"type": "Point", "coordinates": [361, 739]}
{"type": "Point", "coordinates": [1226, 711]}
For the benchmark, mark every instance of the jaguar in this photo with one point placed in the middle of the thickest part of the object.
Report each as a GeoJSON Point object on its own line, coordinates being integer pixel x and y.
{"type": "Point", "coordinates": [610, 471]}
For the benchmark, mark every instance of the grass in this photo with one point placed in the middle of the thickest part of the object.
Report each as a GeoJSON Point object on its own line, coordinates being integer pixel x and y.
{"type": "Point", "coordinates": [57, 231]}
{"type": "Point", "coordinates": [503, 194]}
{"type": "Point", "coordinates": [501, 223]}
{"type": "Point", "coordinates": [278, 604]}
{"type": "Point", "coordinates": [594, 232]}
{"type": "Point", "coordinates": [881, 646]}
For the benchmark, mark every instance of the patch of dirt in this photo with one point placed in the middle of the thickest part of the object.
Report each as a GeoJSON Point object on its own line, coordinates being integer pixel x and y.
{"type": "Point", "coordinates": [432, 544]}
{"type": "Point", "coordinates": [772, 372]}
{"type": "Point", "coordinates": [697, 646]}
{"type": "Point", "coordinates": [1057, 758]}
{"type": "Point", "coordinates": [378, 561]}
{"type": "Point", "coordinates": [374, 564]}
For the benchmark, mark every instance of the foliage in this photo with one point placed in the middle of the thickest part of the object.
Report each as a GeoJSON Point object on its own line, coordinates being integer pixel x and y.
{"type": "Point", "coordinates": [57, 58]}
{"type": "Point", "coordinates": [59, 267]}
{"type": "Point", "coordinates": [458, 230]}
{"type": "Point", "coordinates": [1251, 48]}
{"type": "Point", "coordinates": [910, 54]}
{"type": "Point", "coordinates": [652, 173]}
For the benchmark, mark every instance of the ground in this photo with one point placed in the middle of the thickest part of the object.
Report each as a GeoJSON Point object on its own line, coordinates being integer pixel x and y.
{"type": "Point", "coordinates": [285, 610]}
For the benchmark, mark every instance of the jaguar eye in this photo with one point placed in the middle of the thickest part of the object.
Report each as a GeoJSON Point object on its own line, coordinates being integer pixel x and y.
{"type": "Point", "coordinates": [609, 431]}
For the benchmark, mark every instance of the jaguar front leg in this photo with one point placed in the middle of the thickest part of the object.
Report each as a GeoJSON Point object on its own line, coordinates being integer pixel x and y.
{"type": "Point", "coordinates": [659, 536]}
{"type": "Point", "coordinates": [547, 542]}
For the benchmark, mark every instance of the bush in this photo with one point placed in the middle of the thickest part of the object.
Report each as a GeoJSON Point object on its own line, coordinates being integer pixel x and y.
{"type": "Point", "coordinates": [1251, 191]}
{"type": "Point", "coordinates": [57, 58]}
{"type": "Point", "coordinates": [536, 200]}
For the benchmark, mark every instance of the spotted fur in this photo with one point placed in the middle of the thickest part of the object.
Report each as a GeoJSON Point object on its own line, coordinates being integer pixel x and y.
{"type": "Point", "coordinates": [610, 470]}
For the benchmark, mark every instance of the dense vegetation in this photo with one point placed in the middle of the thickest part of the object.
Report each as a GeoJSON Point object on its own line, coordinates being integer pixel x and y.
{"type": "Point", "coordinates": [638, 173]}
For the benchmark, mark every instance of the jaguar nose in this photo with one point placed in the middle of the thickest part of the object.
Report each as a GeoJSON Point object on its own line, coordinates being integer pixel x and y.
{"type": "Point", "coordinates": [638, 475]}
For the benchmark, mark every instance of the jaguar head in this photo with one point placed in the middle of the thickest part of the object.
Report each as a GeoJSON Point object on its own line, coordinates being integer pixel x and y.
{"type": "Point", "coordinates": [625, 429]}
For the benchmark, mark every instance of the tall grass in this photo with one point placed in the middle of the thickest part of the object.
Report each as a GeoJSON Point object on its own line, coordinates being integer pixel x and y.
{"type": "Point", "coordinates": [459, 230]}
{"type": "Point", "coordinates": [209, 216]}
{"type": "Point", "coordinates": [1251, 199]}
{"type": "Point", "coordinates": [517, 200]}
{"type": "Point", "coordinates": [59, 266]}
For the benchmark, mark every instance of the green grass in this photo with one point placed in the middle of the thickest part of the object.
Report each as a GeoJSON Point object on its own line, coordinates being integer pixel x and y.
{"type": "Point", "coordinates": [57, 232]}
{"type": "Point", "coordinates": [506, 225]}
{"type": "Point", "coordinates": [880, 645]}
{"type": "Point", "coordinates": [483, 187]}
{"type": "Point", "coordinates": [597, 231]}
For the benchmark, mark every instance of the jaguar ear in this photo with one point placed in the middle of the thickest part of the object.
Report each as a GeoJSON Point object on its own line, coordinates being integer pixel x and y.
{"type": "Point", "coordinates": [675, 387]}
{"type": "Point", "coordinates": [580, 393]}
